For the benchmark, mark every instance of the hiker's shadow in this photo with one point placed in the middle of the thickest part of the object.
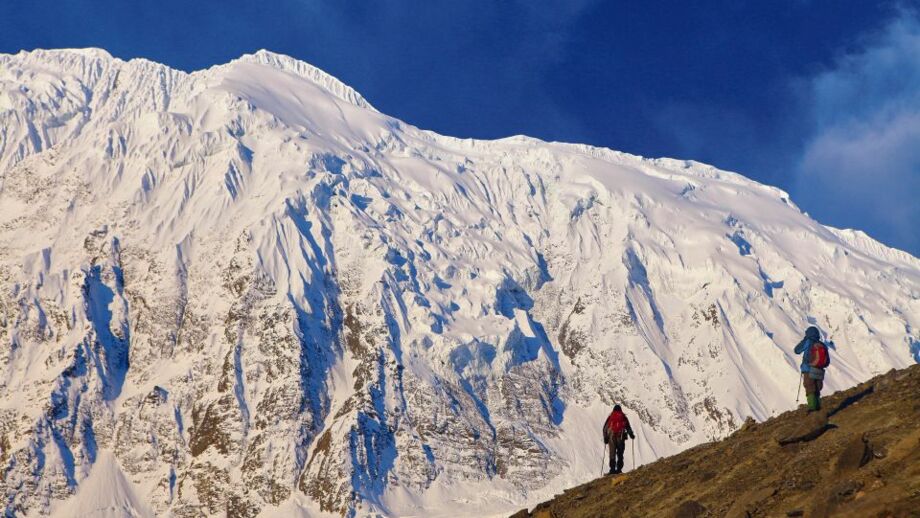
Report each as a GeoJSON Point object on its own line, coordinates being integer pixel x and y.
{"type": "Point", "coordinates": [852, 399]}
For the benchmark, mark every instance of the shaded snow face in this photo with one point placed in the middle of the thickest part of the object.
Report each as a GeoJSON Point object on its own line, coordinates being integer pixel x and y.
{"type": "Point", "coordinates": [243, 290]}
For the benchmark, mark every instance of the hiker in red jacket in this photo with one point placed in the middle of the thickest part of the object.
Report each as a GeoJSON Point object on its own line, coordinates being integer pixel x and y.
{"type": "Point", "coordinates": [616, 428]}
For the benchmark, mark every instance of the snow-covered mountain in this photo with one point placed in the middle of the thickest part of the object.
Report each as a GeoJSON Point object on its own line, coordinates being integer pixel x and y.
{"type": "Point", "coordinates": [244, 290]}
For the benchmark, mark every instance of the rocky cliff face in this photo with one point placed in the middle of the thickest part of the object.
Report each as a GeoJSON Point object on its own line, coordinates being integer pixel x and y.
{"type": "Point", "coordinates": [243, 290]}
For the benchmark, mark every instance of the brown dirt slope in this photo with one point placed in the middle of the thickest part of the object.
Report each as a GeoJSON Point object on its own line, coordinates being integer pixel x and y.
{"type": "Point", "coordinates": [859, 456]}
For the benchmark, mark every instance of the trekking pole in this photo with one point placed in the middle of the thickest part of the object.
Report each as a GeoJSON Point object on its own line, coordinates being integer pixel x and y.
{"type": "Point", "coordinates": [602, 459]}
{"type": "Point", "coordinates": [799, 391]}
{"type": "Point", "coordinates": [633, 446]}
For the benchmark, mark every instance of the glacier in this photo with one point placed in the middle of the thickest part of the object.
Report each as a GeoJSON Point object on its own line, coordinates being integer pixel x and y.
{"type": "Point", "coordinates": [244, 291]}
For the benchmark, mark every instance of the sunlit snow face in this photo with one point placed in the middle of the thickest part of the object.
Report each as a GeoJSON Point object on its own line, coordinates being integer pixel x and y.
{"type": "Point", "coordinates": [248, 283]}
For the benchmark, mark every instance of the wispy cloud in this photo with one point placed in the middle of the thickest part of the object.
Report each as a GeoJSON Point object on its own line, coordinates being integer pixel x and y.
{"type": "Point", "coordinates": [861, 165]}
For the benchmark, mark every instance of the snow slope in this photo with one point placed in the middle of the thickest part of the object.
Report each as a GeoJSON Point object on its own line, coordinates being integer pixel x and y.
{"type": "Point", "coordinates": [256, 294]}
{"type": "Point", "coordinates": [104, 493]}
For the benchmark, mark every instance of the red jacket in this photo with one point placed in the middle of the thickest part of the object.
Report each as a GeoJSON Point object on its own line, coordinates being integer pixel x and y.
{"type": "Point", "coordinates": [617, 420]}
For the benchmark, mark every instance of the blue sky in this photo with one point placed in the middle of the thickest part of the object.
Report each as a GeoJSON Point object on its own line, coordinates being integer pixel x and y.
{"type": "Point", "coordinates": [821, 98]}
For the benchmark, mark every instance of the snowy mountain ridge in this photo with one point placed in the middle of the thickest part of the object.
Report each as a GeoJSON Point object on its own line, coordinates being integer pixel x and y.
{"type": "Point", "coordinates": [245, 291]}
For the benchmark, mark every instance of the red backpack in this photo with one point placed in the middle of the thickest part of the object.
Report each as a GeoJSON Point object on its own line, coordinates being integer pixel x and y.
{"type": "Point", "coordinates": [818, 357]}
{"type": "Point", "coordinates": [616, 425]}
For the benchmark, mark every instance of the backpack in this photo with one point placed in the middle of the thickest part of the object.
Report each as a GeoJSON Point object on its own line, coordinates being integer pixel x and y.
{"type": "Point", "coordinates": [616, 425]}
{"type": "Point", "coordinates": [818, 356]}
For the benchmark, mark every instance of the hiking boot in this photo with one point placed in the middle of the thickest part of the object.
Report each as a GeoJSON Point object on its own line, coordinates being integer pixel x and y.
{"type": "Point", "coordinates": [812, 402]}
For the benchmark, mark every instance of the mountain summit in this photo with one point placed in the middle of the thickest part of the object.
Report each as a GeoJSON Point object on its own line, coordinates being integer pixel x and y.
{"type": "Point", "coordinates": [245, 291]}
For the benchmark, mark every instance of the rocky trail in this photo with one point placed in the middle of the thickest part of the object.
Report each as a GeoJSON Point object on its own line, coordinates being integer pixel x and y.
{"type": "Point", "coordinates": [859, 456]}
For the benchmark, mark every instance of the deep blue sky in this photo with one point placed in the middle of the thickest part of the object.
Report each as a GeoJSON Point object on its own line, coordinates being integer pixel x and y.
{"type": "Point", "coordinates": [821, 98]}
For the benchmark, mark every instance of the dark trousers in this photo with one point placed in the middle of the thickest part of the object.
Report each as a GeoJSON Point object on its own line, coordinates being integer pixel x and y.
{"type": "Point", "coordinates": [812, 386]}
{"type": "Point", "coordinates": [616, 455]}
